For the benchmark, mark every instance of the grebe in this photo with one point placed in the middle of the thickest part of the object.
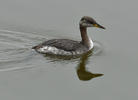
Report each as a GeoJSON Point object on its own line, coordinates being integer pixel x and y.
{"type": "Point", "coordinates": [70, 47]}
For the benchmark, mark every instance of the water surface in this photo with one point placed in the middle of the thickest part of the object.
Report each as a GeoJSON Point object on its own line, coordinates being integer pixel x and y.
{"type": "Point", "coordinates": [107, 73]}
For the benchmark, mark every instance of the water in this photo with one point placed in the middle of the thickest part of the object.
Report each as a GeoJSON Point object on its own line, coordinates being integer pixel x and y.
{"type": "Point", "coordinates": [108, 73]}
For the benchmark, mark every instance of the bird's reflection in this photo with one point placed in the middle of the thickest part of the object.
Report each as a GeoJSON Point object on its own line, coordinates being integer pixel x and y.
{"type": "Point", "coordinates": [82, 72]}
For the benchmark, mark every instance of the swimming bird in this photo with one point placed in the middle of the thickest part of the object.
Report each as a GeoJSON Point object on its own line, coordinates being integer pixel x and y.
{"type": "Point", "coordinates": [66, 47]}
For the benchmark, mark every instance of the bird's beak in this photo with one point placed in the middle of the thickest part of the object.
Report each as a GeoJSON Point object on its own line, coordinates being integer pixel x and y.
{"type": "Point", "coordinates": [98, 26]}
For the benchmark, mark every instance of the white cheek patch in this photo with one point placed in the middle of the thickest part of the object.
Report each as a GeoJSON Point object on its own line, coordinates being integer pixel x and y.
{"type": "Point", "coordinates": [85, 24]}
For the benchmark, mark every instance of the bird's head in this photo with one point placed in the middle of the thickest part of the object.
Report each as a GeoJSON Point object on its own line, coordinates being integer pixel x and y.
{"type": "Point", "coordinates": [87, 21]}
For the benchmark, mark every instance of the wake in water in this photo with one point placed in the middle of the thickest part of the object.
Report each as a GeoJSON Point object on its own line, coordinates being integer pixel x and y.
{"type": "Point", "coordinates": [15, 50]}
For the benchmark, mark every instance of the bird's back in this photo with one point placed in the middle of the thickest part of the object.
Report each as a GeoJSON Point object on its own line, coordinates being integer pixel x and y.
{"type": "Point", "coordinates": [61, 47]}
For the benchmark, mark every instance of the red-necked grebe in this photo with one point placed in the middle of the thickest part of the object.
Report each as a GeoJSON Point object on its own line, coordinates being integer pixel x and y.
{"type": "Point", "coordinates": [70, 47]}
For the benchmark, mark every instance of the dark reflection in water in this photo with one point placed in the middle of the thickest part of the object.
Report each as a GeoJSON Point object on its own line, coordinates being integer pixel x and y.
{"type": "Point", "coordinates": [82, 72]}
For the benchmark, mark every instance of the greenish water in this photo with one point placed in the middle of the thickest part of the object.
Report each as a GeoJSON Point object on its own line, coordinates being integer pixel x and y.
{"type": "Point", "coordinates": [108, 73]}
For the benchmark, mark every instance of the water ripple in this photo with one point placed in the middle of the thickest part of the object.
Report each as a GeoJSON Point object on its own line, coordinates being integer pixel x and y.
{"type": "Point", "coordinates": [15, 50]}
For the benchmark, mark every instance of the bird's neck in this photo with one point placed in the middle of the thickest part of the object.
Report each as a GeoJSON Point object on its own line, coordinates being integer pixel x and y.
{"type": "Point", "coordinates": [85, 39]}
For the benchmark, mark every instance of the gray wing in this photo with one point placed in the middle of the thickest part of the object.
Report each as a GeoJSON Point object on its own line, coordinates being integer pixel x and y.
{"type": "Point", "coordinates": [64, 44]}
